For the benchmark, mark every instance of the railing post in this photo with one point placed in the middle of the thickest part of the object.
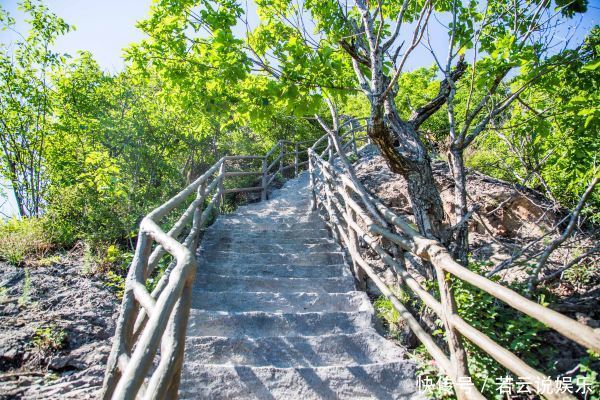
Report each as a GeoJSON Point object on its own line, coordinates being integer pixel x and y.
{"type": "Point", "coordinates": [313, 189]}
{"type": "Point", "coordinates": [296, 159]}
{"type": "Point", "coordinates": [221, 195]}
{"type": "Point", "coordinates": [354, 149]}
{"type": "Point", "coordinates": [334, 222]}
{"type": "Point", "coordinates": [263, 195]}
{"type": "Point", "coordinates": [458, 356]}
{"type": "Point", "coordinates": [281, 156]}
{"type": "Point", "coordinates": [330, 146]}
{"type": "Point", "coordinates": [201, 195]}
{"type": "Point", "coordinates": [123, 338]}
{"type": "Point", "coordinates": [359, 274]}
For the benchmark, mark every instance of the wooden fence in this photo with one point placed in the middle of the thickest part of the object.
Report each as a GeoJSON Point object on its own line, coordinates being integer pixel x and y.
{"type": "Point", "coordinates": [148, 346]}
{"type": "Point", "coordinates": [354, 214]}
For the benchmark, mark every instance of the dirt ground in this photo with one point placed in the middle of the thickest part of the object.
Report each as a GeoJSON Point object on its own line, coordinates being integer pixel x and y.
{"type": "Point", "coordinates": [508, 219]}
{"type": "Point", "coordinates": [55, 328]}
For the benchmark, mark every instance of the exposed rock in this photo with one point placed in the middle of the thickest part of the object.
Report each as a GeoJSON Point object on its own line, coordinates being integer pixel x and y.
{"type": "Point", "coordinates": [55, 330]}
{"type": "Point", "coordinates": [509, 217]}
{"type": "Point", "coordinates": [507, 209]}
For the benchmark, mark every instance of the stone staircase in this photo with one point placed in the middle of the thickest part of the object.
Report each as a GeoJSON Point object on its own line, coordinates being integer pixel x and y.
{"type": "Point", "coordinates": [275, 313]}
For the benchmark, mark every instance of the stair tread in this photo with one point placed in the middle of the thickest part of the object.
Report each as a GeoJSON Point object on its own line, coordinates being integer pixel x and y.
{"type": "Point", "coordinates": [281, 302]}
{"type": "Point", "coordinates": [218, 282]}
{"type": "Point", "coordinates": [276, 315]}
{"type": "Point", "coordinates": [385, 381]}
{"type": "Point", "coordinates": [264, 324]}
{"type": "Point", "coordinates": [289, 351]}
{"type": "Point", "coordinates": [275, 270]}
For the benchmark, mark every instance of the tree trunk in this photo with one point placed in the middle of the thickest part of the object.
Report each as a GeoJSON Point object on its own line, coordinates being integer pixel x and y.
{"type": "Point", "coordinates": [14, 182]}
{"type": "Point", "coordinates": [460, 249]}
{"type": "Point", "coordinates": [413, 163]}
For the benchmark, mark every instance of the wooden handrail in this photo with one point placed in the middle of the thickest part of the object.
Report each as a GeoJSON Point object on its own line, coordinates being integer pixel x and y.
{"type": "Point", "coordinates": [147, 320]}
{"type": "Point", "coordinates": [329, 184]}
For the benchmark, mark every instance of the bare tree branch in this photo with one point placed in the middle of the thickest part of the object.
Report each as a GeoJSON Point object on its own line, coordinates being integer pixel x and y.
{"type": "Point", "coordinates": [421, 114]}
{"type": "Point", "coordinates": [534, 279]}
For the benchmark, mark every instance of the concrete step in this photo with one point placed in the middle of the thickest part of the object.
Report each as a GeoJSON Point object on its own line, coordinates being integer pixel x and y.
{"type": "Point", "coordinates": [274, 210]}
{"type": "Point", "coordinates": [265, 224]}
{"type": "Point", "coordinates": [221, 283]}
{"type": "Point", "coordinates": [275, 314]}
{"type": "Point", "coordinates": [240, 218]}
{"type": "Point", "coordinates": [281, 302]}
{"type": "Point", "coordinates": [274, 270]}
{"type": "Point", "coordinates": [266, 247]}
{"type": "Point", "coordinates": [365, 347]}
{"type": "Point", "coordinates": [383, 381]}
{"type": "Point", "coordinates": [304, 258]}
{"type": "Point", "coordinates": [257, 324]}
{"type": "Point", "coordinates": [269, 234]}
{"type": "Point", "coordinates": [240, 240]}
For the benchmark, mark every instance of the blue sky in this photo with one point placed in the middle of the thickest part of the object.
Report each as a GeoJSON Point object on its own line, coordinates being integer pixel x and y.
{"type": "Point", "coordinates": [105, 27]}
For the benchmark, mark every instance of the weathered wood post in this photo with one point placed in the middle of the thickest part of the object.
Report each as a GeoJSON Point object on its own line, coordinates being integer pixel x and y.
{"type": "Point", "coordinates": [123, 339]}
{"type": "Point", "coordinates": [263, 194]}
{"type": "Point", "coordinates": [330, 146]}
{"type": "Point", "coordinates": [221, 195]}
{"type": "Point", "coordinates": [334, 222]}
{"type": "Point", "coordinates": [313, 189]}
{"type": "Point", "coordinates": [281, 155]}
{"type": "Point", "coordinates": [296, 159]}
{"type": "Point", "coordinates": [354, 148]}
{"type": "Point", "coordinates": [359, 273]}
{"type": "Point", "coordinates": [200, 196]}
{"type": "Point", "coordinates": [458, 355]}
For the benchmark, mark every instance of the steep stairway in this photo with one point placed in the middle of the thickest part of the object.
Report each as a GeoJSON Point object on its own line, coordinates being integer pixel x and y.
{"type": "Point", "coordinates": [275, 313]}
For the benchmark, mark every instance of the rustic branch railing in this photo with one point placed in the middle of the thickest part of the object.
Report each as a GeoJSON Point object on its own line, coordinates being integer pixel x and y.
{"type": "Point", "coordinates": [352, 216]}
{"type": "Point", "coordinates": [148, 347]}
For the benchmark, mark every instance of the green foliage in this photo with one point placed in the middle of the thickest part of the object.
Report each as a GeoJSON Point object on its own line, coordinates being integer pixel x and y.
{"type": "Point", "coordinates": [587, 374]}
{"type": "Point", "coordinates": [49, 338]}
{"type": "Point", "coordinates": [550, 141]}
{"type": "Point", "coordinates": [581, 274]}
{"type": "Point", "coordinates": [115, 263]}
{"type": "Point", "coordinates": [158, 273]}
{"type": "Point", "coordinates": [116, 146]}
{"type": "Point", "coordinates": [26, 104]}
{"type": "Point", "coordinates": [115, 282]}
{"type": "Point", "coordinates": [519, 333]}
{"type": "Point", "coordinates": [22, 240]}
{"type": "Point", "coordinates": [386, 311]}
{"type": "Point", "coordinates": [352, 158]}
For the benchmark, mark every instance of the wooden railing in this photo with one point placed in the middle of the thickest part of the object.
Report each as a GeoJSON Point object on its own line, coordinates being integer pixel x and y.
{"type": "Point", "coordinates": [354, 214]}
{"type": "Point", "coordinates": [148, 347]}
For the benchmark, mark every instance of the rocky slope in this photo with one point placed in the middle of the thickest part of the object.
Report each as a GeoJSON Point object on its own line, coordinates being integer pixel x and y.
{"type": "Point", "coordinates": [507, 215]}
{"type": "Point", "coordinates": [509, 218]}
{"type": "Point", "coordinates": [55, 328]}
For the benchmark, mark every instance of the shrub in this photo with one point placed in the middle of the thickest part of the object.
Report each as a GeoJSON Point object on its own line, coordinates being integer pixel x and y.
{"type": "Point", "coordinates": [115, 264]}
{"type": "Point", "coordinates": [49, 338]}
{"type": "Point", "coordinates": [519, 333]}
{"type": "Point", "coordinates": [511, 329]}
{"type": "Point", "coordinates": [24, 239]}
{"type": "Point", "coordinates": [386, 311]}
